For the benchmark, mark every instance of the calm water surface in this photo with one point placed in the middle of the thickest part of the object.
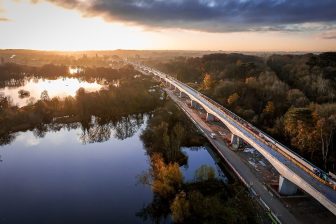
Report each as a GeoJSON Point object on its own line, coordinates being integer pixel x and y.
{"type": "Point", "coordinates": [58, 179]}
{"type": "Point", "coordinates": [60, 87]}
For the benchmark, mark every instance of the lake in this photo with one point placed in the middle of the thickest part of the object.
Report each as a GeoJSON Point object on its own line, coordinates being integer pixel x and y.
{"type": "Point", "coordinates": [60, 87]}
{"type": "Point", "coordinates": [75, 175]}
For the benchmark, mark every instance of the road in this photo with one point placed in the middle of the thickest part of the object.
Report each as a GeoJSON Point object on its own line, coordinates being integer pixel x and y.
{"type": "Point", "coordinates": [240, 168]}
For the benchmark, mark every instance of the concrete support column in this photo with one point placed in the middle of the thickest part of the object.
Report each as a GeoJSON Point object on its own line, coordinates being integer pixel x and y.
{"type": "Point", "coordinates": [182, 95]}
{"type": "Point", "coordinates": [236, 141]}
{"type": "Point", "coordinates": [210, 117]}
{"type": "Point", "coordinates": [286, 187]}
{"type": "Point", "coordinates": [193, 104]}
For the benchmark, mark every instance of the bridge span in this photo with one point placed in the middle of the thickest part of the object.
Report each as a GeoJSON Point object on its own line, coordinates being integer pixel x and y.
{"type": "Point", "coordinates": [293, 169]}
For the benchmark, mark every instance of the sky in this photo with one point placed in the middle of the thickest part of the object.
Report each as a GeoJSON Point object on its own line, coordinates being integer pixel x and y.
{"type": "Point", "coordinates": [228, 25]}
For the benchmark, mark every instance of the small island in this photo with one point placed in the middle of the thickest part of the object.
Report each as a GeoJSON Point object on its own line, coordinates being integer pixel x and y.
{"type": "Point", "coordinates": [23, 93]}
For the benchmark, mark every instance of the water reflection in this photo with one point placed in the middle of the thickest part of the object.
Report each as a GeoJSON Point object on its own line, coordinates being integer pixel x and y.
{"type": "Point", "coordinates": [60, 87]}
{"type": "Point", "coordinates": [100, 130]}
{"type": "Point", "coordinates": [96, 133]}
{"type": "Point", "coordinates": [75, 70]}
{"type": "Point", "coordinates": [127, 126]}
{"type": "Point", "coordinates": [57, 179]}
{"type": "Point", "coordinates": [94, 130]}
{"type": "Point", "coordinates": [52, 174]}
{"type": "Point", "coordinates": [201, 155]}
{"type": "Point", "coordinates": [200, 179]}
{"type": "Point", "coordinates": [7, 138]}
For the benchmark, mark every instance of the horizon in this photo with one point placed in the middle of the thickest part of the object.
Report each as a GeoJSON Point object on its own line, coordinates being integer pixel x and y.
{"type": "Point", "coordinates": [168, 50]}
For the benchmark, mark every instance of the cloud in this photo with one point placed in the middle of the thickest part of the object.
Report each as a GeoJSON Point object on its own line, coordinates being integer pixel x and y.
{"type": "Point", "coordinates": [3, 19]}
{"type": "Point", "coordinates": [211, 15]}
{"type": "Point", "coordinates": [331, 34]}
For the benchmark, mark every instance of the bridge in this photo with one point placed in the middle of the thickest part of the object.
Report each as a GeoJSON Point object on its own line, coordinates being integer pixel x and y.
{"type": "Point", "coordinates": [294, 170]}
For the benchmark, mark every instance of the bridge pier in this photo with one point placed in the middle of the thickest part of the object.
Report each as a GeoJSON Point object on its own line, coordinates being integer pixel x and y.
{"type": "Point", "coordinates": [183, 95]}
{"type": "Point", "coordinates": [194, 104]}
{"type": "Point", "coordinates": [286, 187]}
{"type": "Point", "coordinates": [210, 117]}
{"type": "Point", "coordinates": [236, 141]}
{"type": "Point", "coordinates": [157, 78]}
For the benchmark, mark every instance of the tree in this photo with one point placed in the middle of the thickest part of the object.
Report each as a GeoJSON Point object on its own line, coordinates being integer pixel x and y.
{"type": "Point", "coordinates": [299, 125]}
{"type": "Point", "coordinates": [204, 173]}
{"type": "Point", "coordinates": [180, 208]}
{"type": "Point", "coordinates": [208, 81]}
{"type": "Point", "coordinates": [325, 116]}
{"type": "Point", "coordinates": [269, 108]}
{"type": "Point", "coordinates": [5, 102]}
{"type": "Point", "coordinates": [252, 82]}
{"type": "Point", "coordinates": [162, 130]}
{"type": "Point", "coordinates": [45, 96]}
{"type": "Point", "coordinates": [82, 104]}
{"type": "Point", "coordinates": [177, 137]}
{"type": "Point", "coordinates": [233, 98]}
{"type": "Point", "coordinates": [166, 178]}
{"type": "Point", "coordinates": [224, 89]}
{"type": "Point", "coordinates": [296, 98]}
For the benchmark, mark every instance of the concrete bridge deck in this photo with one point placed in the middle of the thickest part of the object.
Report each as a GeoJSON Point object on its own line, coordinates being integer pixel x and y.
{"type": "Point", "coordinates": [292, 168]}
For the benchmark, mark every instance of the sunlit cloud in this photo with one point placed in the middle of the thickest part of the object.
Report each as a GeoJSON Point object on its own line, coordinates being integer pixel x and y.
{"type": "Point", "coordinates": [331, 34]}
{"type": "Point", "coordinates": [47, 26]}
{"type": "Point", "coordinates": [232, 25]}
{"type": "Point", "coordinates": [2, 12]}
{"type": "Point", "coordinates": [211, 15]}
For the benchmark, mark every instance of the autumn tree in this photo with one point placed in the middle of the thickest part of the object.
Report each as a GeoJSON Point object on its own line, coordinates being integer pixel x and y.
{"type": "Point", "coordinates": [165, 179]}
{"type": "Point", "coordinates": [180, 208]}
{"type": "Point", "coordinates": [269, 108]}
{"type": "Point", "coordinates": [233, 98]}
{"type": "Point", "coordinates": [208, 81]}
{"type": "Point", "coordinates": [299, 125]}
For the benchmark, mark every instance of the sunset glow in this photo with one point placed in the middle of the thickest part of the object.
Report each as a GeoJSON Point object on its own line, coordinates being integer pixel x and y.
{"type": "Point", "coordinates": [61, 87]}
{"type": "Point", "coordinates": [47, 26]}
